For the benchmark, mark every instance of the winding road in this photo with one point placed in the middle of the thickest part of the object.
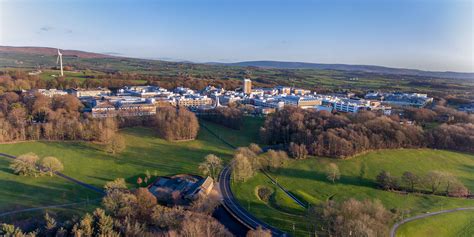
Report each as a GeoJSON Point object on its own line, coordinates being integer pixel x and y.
{"type": "Point", "coordinates": [397, 225]}
{"type": "Point", "coordinates": [232, 205]}
{"type": "Point", "coordinates": [234, 208]}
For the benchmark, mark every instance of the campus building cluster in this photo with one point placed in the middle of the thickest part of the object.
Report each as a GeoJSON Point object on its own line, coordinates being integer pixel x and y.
{"type": "Point", "coordinates": [144, 100]}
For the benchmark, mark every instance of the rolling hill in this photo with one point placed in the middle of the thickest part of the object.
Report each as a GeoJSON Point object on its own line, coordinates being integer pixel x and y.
{"type": "Point", "coordinates": [347, 67]}
{"type": "Point", "coordinates": [45, 56]}
{"type": "Point", "coordinates": [52, 51]}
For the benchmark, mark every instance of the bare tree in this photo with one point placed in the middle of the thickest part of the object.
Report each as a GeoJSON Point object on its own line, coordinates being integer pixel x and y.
{"type": "Point", "coordinates": [433, 180]}
{"type": "Point", "coordinates": [332, 172]}
{"type": "Point", "coordinates": [51, 165]}
{"type": "Point", "coordinates": [410, 179]}
{"type": "Point", "coordinates": [255, 148]}
{"type": "Point", "coordinates": [242, 168]}
{"type": "Point", "coordinates": [116, 144]}
{"type": "Point", "coordinates": [211, 166]}
{"type": "Point", "coordinates": [26, 165]}
{"type": "Point", "coordinates": [259, 232]}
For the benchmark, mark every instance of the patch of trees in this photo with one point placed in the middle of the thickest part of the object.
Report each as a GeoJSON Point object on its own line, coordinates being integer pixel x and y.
{"type": "Point", "coordinates": [351, 218]}
{"type": "Point", "coordinates": [264, 193]}
{"type": "Point", "coordinates": [176, 123]}
{"type": "Point", "coordinates": [131, 213]}
{"type": "Point", "coordinates": [424, 115]}
{"type": "Point", "coordinates": [459, 136]}
{"type": "Point", "coordinates": [226, 116]}
{"type": "Point", "coordinates": [30, 164]}
{"type": "Point", "coordinates": [324, 134]}
{"type": "Point", "coordinates": [35, 117]}
{"type": "Point", "coordinates": [248, 160]}
{"type": "Point", "coordinates": [434, 182]}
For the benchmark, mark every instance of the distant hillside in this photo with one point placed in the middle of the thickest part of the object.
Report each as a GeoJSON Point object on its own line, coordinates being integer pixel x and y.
{"type": "Point", "coordinates": [346, 67]}
{"type": "Point", "coordinates": [51, 51]}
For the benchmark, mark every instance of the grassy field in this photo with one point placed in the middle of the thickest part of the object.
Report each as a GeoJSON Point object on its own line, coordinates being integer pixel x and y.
{"type": "Point", "coordinates": [307, 181]}
{"type": "Point", "coordinates": [20, 192]}
{"type": "Point", "coordinates": [457, 224]}
{"type": "Point", "coordinates": [88, 163]}
{"type": "Point", "coordinates": [249, 133]}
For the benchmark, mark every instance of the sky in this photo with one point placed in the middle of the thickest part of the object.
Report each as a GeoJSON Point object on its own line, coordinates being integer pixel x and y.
{"type": "Point", "coordinates": [422, 34]}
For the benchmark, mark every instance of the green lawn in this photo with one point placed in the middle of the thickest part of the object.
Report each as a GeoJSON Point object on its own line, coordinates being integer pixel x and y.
{"type": "Point", "coordinates": [456, 224]}
{"type": "Point", "coordinates": [88, 163]}
{"type": "Point", "coordinates": [19, 192]}
{"type": "Point", "coordinates": [306, 179]}
{"type": "Point", "coordinates": [250, 131]}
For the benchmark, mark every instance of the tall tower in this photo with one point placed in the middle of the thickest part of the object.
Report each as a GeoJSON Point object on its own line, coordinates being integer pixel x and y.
{"type": "Point", "coordinates": [247, 86]}
{"type": "Point", "coordinates": [60, 61]}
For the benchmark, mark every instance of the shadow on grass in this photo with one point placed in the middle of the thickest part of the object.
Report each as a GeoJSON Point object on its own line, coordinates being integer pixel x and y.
{"type": "Point", "coordinates": [321, 176]}
{"type": "Point", "coordinates": [18, 195]}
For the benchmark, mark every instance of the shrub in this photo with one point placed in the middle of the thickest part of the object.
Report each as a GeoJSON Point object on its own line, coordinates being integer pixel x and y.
{"type": "Point", "coordinates": [264, 193]}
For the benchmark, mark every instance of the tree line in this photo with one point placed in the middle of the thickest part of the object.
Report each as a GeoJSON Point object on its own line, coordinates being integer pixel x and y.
{"type": "Point", "coordinates": [322, 133]}
{"type": "Point", "coordinates": [30, 164]}
{"type": "Point", "coordinates": [38, 117]}
{"type": "Point", "coordinates": [433, 181]}
{"type": "Point", "coordinates": [35, 117]}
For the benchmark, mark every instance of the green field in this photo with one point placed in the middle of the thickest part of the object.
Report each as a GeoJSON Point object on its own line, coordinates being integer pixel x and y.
{"type": "Point", "coordinates": [306, 179]}
{"type": "Point", "coordinates": [249, 133]}
{"type": "Point", "coordinates": [88, 163]}
{"type": "Point", "coordinates": [457, 224]}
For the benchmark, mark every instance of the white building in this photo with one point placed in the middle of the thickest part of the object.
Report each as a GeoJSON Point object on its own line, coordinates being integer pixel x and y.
{"type": "Point", "coordinates": [51, 92]}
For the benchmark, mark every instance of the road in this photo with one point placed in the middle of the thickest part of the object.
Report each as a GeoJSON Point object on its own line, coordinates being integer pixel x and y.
{"type": "Point", "coordinates": [232, 205]}
{"type": "Point", "coordinates": [395, 227]}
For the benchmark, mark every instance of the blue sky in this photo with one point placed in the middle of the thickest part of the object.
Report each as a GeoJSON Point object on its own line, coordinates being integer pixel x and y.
{"type": "Point", "coordinates": [423, 34]}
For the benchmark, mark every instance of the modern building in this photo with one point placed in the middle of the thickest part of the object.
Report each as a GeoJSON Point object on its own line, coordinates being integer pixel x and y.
{"type": "Point", "coordinates": [351, 106]}
{"type": "Point", "coordinates": [135, 110]}
{"type": "Point", "coordinates": [51, 92]}
{"type": "Point", "coordinates": [406, 99]}
{"type": "Point", "coordinates": [83, 93]}
{"type": "Point", "coordinates": [247, 86]}
{"type": "Point", "coordinates": [301, 101]}
{"type": "Point", "coordinates": [193, 101]}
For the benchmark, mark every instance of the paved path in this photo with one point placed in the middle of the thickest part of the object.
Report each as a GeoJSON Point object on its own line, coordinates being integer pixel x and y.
{"type": "Point", "coordinates": [88, 186]}
{"type": "Point", "coordinates": [285, 190]}
{"type": "Point", "coordinates": [393, 231]}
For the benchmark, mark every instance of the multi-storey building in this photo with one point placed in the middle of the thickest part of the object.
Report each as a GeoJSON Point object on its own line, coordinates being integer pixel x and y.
{"type": "Point", "coordinates": [50, 92]}
{"type": "Point", "coordinates": [132, 110]}
{"type": "Point", "coordinates": [193, 101]}
{"type": "Point", "coordinates": [247, 86]}
{"type": "Point", "coordinates": [83, 93]}
{"type": "Point", "coordinates": [301, 101]}
{"type": "Point", "coordinates": [405, 99]}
